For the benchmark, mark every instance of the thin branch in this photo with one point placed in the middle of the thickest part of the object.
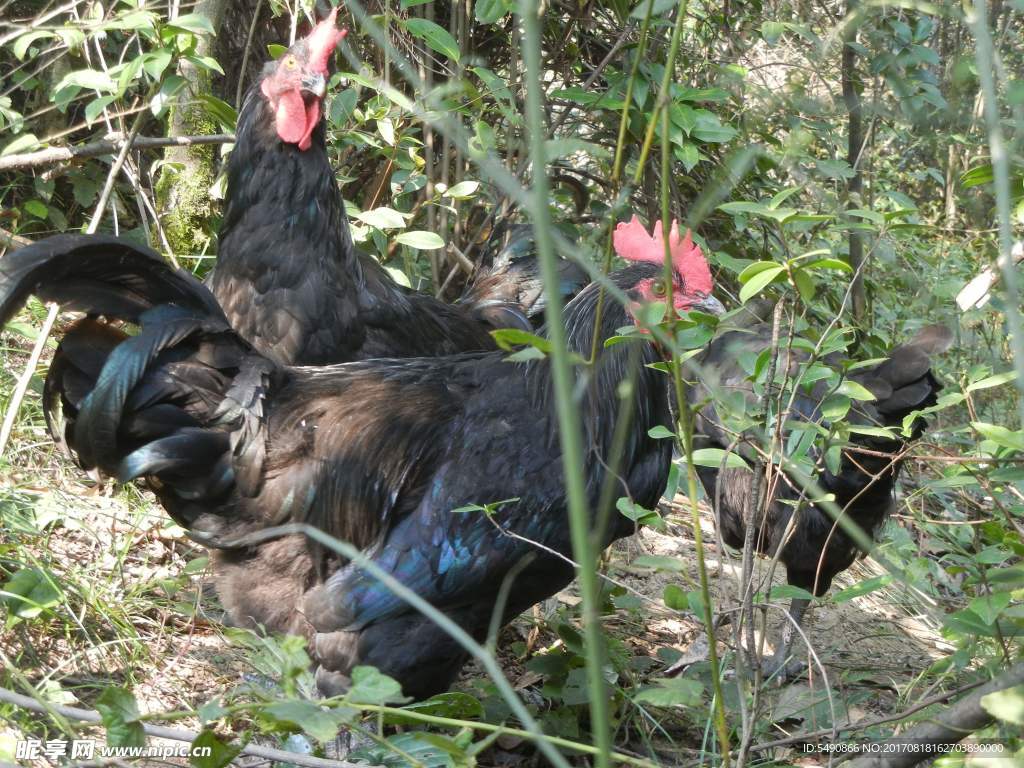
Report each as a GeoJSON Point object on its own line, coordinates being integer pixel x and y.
{"type": "Point", "coordinates": [106, 146]}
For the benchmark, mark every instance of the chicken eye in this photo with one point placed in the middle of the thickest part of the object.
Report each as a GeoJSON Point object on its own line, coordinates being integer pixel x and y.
{"type": "Point", "coordinates": [658, 288]}
{"type": "Point", "coordinates": [290, 62]}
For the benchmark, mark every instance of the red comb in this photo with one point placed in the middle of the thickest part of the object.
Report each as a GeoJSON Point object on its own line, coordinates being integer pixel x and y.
{"type": "Point", "coordinates": [322, 41]}
{"type": "Point", "coordinates": [632, 243]}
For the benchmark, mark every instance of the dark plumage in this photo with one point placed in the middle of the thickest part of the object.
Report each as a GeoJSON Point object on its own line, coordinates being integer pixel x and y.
{"type": "Point", "coordinates": [863, 484]}
{"type": "Point", "coordinates": [288, 276]}
{"type": "Point", "coordinates": [376, 452]}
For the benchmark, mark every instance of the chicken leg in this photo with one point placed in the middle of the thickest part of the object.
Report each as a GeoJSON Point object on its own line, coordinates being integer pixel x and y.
{"type": "Point", "coordinates": [776, 666]}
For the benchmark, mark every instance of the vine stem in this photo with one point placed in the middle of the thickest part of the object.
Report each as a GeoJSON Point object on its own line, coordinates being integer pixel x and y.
{"type": "Point", "coordinates": [1001, 184]}
{"type": "Point", "coordinates": [685, 424]}
{"type": "Point", "coordinates": [568, 416]}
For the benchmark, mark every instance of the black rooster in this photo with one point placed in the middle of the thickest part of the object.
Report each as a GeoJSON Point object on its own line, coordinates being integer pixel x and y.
{"type": "Point", "coordinates": [863, 483]}
{"type": "Point", "coordinates": [378, 452]}
{"type": "Point", "coordinates": [288, 276]}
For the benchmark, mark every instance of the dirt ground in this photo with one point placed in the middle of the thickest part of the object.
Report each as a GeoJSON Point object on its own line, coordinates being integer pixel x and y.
{"type": "Point", "coordinates": [874, 648]}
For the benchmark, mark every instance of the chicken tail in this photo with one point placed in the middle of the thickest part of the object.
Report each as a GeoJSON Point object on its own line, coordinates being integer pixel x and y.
{"type": "Point", "coordinates": [163, 403]}
{"type": "Point", "coordinates": [511, 285]}
{"type": "Point", "coordinates": [904, 383]}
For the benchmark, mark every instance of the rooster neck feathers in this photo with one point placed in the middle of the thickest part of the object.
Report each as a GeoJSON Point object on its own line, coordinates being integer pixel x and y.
{"type": "Point", "coordinates": [266, 175]}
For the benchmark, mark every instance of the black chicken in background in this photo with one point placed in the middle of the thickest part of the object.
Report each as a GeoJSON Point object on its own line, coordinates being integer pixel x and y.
{"type": "Point", "coordinates": [378, 453]}
{"type": "Point", "coordinates": [288, 275]}
{"type": "Point", "coordinates": [863, 483]}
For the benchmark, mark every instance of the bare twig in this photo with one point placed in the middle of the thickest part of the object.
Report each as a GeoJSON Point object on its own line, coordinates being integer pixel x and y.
{"type": "Point", "coordinates": [105, 147]}
{"type": "Point", "coordinates": [12, 242]}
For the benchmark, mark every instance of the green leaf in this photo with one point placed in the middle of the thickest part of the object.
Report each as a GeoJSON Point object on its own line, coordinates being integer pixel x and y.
{"type": "Point", "coordinates": [671, 692]}
{"type": "Point", "coordinates": [862, 588]}
{"type": "Point", "coordinates": [421, 240]}
{"type": "Point", "coordinates": [220, 753]}
{"type": "Point", "coordinates": [407, 4]}
{"type": "Point", "coordinates": [196, 23]}
{"type": "Point", "coordinates": [988, 607]}
{"type": "Point", "coordinates": [490, 11]}
{"type": "Point", "coordinates": [804, 284]}
{"type": "Point", "coordinates": [638, 514]}
{"type": "Point", "coordinates": [789, 592]}
{"type": "Point", "coordinates": [1001, 435]}
{"type": "Point", "coordinates": [29, 592]}
{"type": "Point", "coordinates": [320, 723]}
{"type": "Point", "coordinates": [276, 50]}
{"type": "Point", "coordinates": [120, 715]}
{"type": "Point", "coordinates": [386, 129]}
{"type": "Point", "coordinates": [434, 36]}
{"type": "Point", "coordinates": [208, 63]}
{"type": "Point", "coordinates": [220, 111]}
{"type": "Point", "coordinates": [713, 457]}
{"type": "Point", "coordinates": [462, 191]}
{"type": "Point", "coordinates": [95, 107]}
{"type": "Point", "coordinates": [993, 381]}
{"type": "Point", "coordinates": [675, 597]}
{"type": "Point", "coordinates": [967, 622]}
{"type": "Point", "coordinates": [450, 704]}
{"type": "Point", "coordinates": [882, 432]}
{"type": "Point", "coordinates": [873, 216]}
{"type": "Point", "coordinates": [709, 129]}
{"type": "Point", "coordinates": [1006, 705]}
{"type": "Point", "coordinates": [383, 218]}
{"type": "Point", "coordinates": [129, 74]}
{"type": "Point", "coordinates": [828, 264]}
{"type": "Point", "coordinates": [660, 433]}
{"type": "Point", "coordinates": [835, 407]}
{"type": "Point", "coordinates": [771, 31]}
{"type": "Point", "coordinates": [90, 79]}
{"type": "Point", "coordinates": [36, 208]}
{"type": "Point", "coordinates": [372, 687]}
{"type": "Point", "coordinates": [20, 46]}
{"type": "Point", "coordinates": [170, 87]}
{"type": "Point", "coordinates": [975, 177]}
{"type": "Point", "coordinates": [660, 6]}
{"type": "Point", "coordinates": [758, 209]}
{"type": "Point", "coordinates": [156, 62]}
{"type": "Point", "coordinates": [759, 281]}
{"type": "Point", "coordinates": [688, 155]}
{"type": "Point", "coordinates": [510, 338]}
{"type": "Point", "coordinates": [854, 390]}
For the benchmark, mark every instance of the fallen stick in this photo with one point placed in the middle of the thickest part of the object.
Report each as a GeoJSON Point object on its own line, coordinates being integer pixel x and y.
{"type": "Point", "coordinates": [975, 294]}
{"type": "Point", "coordinates": [930, 738]}
{"type": "Point", "coordinates": [174, 734]}
{"type": "Point", "coordinates": [106, 146]}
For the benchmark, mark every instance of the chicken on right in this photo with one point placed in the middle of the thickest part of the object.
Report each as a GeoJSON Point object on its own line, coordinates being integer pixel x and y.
{"type": "Point", "coordinates": [814, 549]}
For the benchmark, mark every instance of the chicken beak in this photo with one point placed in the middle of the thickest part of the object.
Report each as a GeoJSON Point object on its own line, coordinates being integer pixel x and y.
{"type": "Point", "coordinates": [709, 304]}
{"type": "Point", "coordinates": [315, 84]}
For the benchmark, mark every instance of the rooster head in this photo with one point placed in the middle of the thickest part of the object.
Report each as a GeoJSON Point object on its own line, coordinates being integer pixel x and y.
{"type": "Point", "coordinates": [691, 275]}
{"type": "Point", "coordinates": [295, 84]}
